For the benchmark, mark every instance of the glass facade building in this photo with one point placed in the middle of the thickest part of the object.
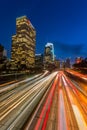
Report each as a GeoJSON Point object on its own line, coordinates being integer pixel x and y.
{"type": "Point", "coordinates": [23, 43]}
{"type": "Point", "coordinates": [49, 53]}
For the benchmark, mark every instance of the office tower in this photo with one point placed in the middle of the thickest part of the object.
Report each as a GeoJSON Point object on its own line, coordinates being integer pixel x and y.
{"type": "Point", "coordinates": [49, 53]}
{"type": "Point", "coordinates": [23, 43]}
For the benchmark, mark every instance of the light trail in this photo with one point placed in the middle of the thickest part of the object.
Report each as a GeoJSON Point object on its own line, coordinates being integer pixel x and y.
{"type": "Point", "coordinates": [27, 98]}
{"type": "Point", "coordinates": [62, 118]}
{"type": "Point", "coordinates": [46, 108]}
{"type": "Point", "coordinates": [62, 124]}
{"type": "Point", "coordinates": [22, 98]}
{"type": "Point", "coordinates": [75, 107]}
{"type": "Point", "coordinates": [17, 89]}
{"type": "Point", "coordinates": [84, 77]}
{"type": "Point", "coordinates": [82, 100]}
{"type": "Point", "coordinates": [34, 103]}
{"type": "Point", "coordinates": [27, 127]}
{"type": "Point", "coordinates": [8, 87]}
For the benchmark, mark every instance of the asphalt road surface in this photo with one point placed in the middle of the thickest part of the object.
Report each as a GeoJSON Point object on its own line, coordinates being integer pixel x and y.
{"type": "Point", "coordinates": [44, 102]}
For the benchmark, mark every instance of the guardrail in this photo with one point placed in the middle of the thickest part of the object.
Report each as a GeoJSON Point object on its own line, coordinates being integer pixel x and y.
{"type": "Point", "coordinates": [9, 77]}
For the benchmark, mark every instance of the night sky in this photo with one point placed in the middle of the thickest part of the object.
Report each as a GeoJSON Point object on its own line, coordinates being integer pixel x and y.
{"type": "Point", "coordinates": [62, 22]}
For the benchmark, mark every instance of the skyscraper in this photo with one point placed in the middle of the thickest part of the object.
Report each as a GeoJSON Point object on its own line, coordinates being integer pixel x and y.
{"type": "Point", "coordinates": [49, 53]}
{"type": "Point", "coordinates": [23, 43]}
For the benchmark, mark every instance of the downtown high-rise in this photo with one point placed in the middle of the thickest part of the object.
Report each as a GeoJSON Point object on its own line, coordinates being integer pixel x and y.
{"type": "Point", "coordinates": [49, 53]}
{"type": "Point", "coordinates": [23, 43]}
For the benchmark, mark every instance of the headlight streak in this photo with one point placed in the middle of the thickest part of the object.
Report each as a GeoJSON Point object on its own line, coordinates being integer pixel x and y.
{"type": "Point", "coordinates": [79, 117]}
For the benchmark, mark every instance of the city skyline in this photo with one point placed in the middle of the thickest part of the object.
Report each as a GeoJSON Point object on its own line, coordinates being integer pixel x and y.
{"type": "Point", "coordinates": [62, 23]}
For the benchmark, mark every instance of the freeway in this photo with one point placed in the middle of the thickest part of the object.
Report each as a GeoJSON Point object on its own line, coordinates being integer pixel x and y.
{"type": "Point", "coordinates": [44, 102]}
{"type": "Point", "coordinates": [19, 100]}
{"type": "Point", "coordinates": [64, 108]}
{"type": "Point", "coordinates": [79, 78]}
{"type": "Point", "coordinates": [75, 73]}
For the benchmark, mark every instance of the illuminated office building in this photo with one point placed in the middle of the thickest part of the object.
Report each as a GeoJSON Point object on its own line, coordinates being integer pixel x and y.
{"type": "Point", "coordinates": [49, 53]}
{"type": "Point", "coordinates": [23, 43]}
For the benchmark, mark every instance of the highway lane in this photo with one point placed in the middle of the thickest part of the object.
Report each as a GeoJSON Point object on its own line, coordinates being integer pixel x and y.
{"type": "Point", "coordinates": [54, 102]}
{"type": "Point", "coordinates": [81, 95]}
{"type": "Point", "coordinates": [63, 117]}
{"type": "Point", "coordinates": [80, 75]}
{"type": "Point", "coordinates": [79, 78]}
{"type": "Point", "coordinates": [72, 106]}
{"type": "Point", "coordinates": [12, 89]}
{"type": "Point", "coordinates": [76, 102]}
{"type": "Point", "coordinates": [80, 88]}
{"type": "Point", "coordinates": [6, 87]}
{"type": "Point", "coordinates": [38, 119]}
{"type": "Point", "coordinates": [63, 109]}
{"type": "Point", "coordinates": [18, 92]}
{"type": "Point", "coordinates": [18, 106]}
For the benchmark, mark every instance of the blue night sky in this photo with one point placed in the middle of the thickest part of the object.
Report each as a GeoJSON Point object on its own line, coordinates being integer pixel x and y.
{"type": "Point", "coordinates": [62, 22]}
